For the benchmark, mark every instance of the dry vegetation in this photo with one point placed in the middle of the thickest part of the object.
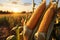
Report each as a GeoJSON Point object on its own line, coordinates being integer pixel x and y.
{"type": "Point", "coordinates": [15, 19]}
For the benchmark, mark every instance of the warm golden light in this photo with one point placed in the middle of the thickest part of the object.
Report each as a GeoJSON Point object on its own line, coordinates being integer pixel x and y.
{"type": "Point", "coordinates": [15, 10]}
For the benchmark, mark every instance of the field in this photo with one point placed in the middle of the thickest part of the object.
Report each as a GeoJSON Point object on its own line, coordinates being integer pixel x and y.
{"type": "Point", "coordinates": [13, 20]}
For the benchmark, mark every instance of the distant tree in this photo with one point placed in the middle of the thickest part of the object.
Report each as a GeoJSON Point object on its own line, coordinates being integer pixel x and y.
{"type": "Point", "coordinates": [23, 12]}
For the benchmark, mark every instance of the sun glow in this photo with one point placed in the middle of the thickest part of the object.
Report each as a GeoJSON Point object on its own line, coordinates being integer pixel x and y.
{"type": "Point", "coordinates": [15, 10]}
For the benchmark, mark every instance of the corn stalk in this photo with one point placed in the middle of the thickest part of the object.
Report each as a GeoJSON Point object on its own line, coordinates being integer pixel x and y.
{"type": "Point", "coordinates": [17, 33]}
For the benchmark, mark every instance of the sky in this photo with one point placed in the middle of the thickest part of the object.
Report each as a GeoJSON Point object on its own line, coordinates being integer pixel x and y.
{"type": "Point", "coordinates": [19, 5]}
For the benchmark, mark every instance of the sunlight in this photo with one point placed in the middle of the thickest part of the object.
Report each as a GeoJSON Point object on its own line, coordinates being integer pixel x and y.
{"type": "Point", "coordinates": [15, 10]}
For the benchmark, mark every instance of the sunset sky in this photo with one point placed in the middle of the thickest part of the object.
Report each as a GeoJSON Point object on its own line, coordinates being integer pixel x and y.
{"type": "Point", "coordinates": [18, 5]}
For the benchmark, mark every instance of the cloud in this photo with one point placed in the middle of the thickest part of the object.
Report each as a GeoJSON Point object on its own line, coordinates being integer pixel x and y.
{"type": "Point", "coordinates": [18, 4]}
{"type": "Point", "coordinates": [10, 7]}
{"type": "Point", "coordinates": [27, 4]}
{"type": "Point", "coordinates": [14, 2]}
{"type": "Point", "coordinates": [1, 4]}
